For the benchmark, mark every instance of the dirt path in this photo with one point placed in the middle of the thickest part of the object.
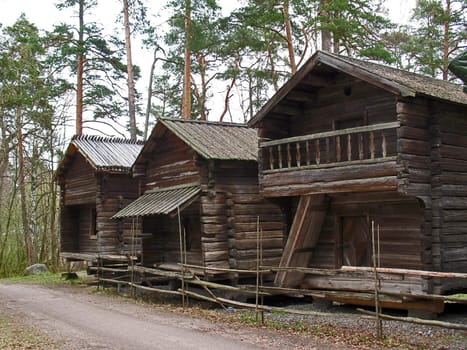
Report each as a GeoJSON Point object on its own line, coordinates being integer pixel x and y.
{"type": "Point", "coordinates": [77, 320]}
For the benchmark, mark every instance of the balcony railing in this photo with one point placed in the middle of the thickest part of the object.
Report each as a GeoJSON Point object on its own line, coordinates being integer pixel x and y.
{"type": "Point", "coordinates": [339, 147]}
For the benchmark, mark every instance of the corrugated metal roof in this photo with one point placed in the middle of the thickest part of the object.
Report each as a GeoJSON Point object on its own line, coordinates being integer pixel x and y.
{"type": "Point", "coordinates": [160, 201]}
{"type": "Point", "coordinates": [216, 140]}
{"type": "Point", "coordinates": [112, 154]}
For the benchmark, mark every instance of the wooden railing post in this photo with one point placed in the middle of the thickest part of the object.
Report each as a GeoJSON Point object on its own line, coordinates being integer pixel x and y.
{"type": "Point", "coordinates": [271, 159]}
{"type": "Point", "coordinates": [345, 145]}
{"type": "Point", "coordinates": [318, 152]}
{"type": "Point", "coordinates": [338, 148]}
{"type": "Point", "coordinates": [360, 146]}
{"type": "Point", "coordinates": [298, 154]}
{"type": "Point", "coordinates": [279, 152]}
{"type": "Point", "coordinates": [349, 147]}
{"type": "Point", "coordinates": [372, 145]}
{"type": "Point", "coordinates": [383, 144]}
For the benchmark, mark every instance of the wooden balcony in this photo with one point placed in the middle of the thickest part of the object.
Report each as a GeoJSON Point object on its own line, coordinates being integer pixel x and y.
{"type": "Point", "coordinates": [301, 162]}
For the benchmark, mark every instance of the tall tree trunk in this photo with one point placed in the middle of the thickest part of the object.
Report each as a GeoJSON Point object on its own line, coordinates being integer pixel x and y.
{"type": "Point", "coordinates": [447, 16]}
{"type": "Point", "coordinates": [79, 71]}
{"type": "Point", "coordinates": [288, 33]}
{"type": "Point", "coordinates": [186, 103]}
{"type": "Point", "coordinates": [131, 78]}
{"type": "Point", "coordinates": [148, 106]}
{"type": "Point", "coordinates": [204, 88]}
{"type": "Point", "coordinates": [22, 188]}
{"type": "Point", "coordinates": [326, 39]}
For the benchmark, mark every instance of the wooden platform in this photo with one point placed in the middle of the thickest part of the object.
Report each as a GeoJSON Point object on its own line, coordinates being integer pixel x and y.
{"type": "Point", "coordinates": [93, 257]}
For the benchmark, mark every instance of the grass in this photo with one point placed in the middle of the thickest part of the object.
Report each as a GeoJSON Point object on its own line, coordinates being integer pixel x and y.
{"type": "Point", "coordinates": [47, 279]}
{"type": "Point", "coordinates": [43, 278]}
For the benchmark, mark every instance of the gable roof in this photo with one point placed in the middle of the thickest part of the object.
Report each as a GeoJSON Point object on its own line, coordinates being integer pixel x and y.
{"type": "Point", "coordinates": [211, 140]}
{"type": "Point", "coordinates": [396, 81]}
{"type": "Point", "coordinates": [104, 154]}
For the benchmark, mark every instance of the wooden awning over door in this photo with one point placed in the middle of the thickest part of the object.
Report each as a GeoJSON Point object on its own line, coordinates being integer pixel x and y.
{"type": "Point", "coordinates": [161, 201]}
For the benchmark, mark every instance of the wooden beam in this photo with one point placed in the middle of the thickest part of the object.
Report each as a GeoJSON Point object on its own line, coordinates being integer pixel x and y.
{"type": "Point", "coordinates": [304, 232]}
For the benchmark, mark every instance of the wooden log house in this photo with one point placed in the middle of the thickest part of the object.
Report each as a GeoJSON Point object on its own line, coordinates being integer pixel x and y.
{"type": "Point", "coordinates": [95, 183]}
{"type": "Point", "coordinates": [347, 144]}
{"type": "Point", "coordinates": [200, 186]}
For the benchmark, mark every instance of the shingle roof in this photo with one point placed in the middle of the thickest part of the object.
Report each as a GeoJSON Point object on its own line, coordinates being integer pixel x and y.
{"type": "Point", "coordinates": [103, 153]}
{"type": "Point", "coordinates": [214, 140]}
{"type": "Point", "coordinates": [397, 81]}
{"type": "Point", "coordinates": [419, 84]}
{"type": "Point", "coordinates": [160, 201]}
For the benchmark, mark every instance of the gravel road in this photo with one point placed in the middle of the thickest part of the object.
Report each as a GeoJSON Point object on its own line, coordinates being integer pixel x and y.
{"type": "Point", "coordinates": [81, 320]}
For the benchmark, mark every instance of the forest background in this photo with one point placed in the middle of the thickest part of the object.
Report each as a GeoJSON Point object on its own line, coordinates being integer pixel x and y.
{"type": "Point", "coordinates": [198, 59]}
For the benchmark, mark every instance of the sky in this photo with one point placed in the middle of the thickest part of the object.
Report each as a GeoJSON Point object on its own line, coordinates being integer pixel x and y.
{"type": "Point", "coordinates": [44, 14]}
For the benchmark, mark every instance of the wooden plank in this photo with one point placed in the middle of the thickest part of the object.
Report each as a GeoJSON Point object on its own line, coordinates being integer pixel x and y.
{"type": "Point", "coordinates": [305, 231]}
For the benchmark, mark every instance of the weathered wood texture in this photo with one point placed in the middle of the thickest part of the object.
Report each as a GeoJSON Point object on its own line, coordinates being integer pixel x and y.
{"type": "Point", "coordinates": [231, 207]}
{"type": "Point", "coordinates": [303, 237]}
{"type": "Point", "coordinates": [79, 184]}
{"type": "Point", "coordinates": [162, 237]}
{"type": "Point", "coordinates": [114, 236]}
{"type": "Point", "coordinates": [171, 163]}
{"type": "Point", "coordinates": [410, 179]}
{"type": "Point", "coordinates": [450, 230]}
{"type": "Point", "coordinates": [88, 201]}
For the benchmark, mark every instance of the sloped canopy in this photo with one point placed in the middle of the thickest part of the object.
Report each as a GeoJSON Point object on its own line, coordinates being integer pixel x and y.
{"type": "Point", "coordinates": [160, 201]}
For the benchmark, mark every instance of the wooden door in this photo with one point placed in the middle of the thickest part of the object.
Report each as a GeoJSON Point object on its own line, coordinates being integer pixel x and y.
{"type": "Point", "coordinates": [356, 241]}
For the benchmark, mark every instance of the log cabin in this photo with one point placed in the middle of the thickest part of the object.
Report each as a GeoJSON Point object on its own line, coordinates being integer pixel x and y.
{"type": "Point", "coordinates": [355, 149]}
{"type": "Point", "coordinates": [200, 187]}
{"type": "Point", "coordinates": [95, 183]}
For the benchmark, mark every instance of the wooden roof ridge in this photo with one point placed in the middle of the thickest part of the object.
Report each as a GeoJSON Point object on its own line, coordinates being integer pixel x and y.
{"type": "Point", "coordinates": [106, 139]}
{"type": "Point", "coordinates": [210, 122]}
{"type": "Point", "coordinates": [394, 80]}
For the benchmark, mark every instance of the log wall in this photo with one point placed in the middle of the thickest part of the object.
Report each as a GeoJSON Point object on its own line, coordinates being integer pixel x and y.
{"type": "Point", "coordinates": [79, 183]}
{"type": "Point", "coordinates": [115, 191]}
{"type": "Point", "coordinates": [452, 185]}
{"type": "Point", "coordinates": [238, 206]}
{"type": "Point", "coordinates": [171, 163]}
{"type": "Point", "coordinates": [400, 220]}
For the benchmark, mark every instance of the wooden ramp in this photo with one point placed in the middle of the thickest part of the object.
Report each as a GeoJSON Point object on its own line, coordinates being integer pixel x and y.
{"type": "Point", "coordinates": [303, 236]}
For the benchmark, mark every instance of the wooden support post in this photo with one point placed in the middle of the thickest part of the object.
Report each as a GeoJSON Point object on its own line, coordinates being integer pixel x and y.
{"type": "Point", "coordinates": [383, 144]}
{"type": "Point", "coordinates": [298, 154]}
{"type": "Point", "coordinates": [338, 149]}
{"type": "Point", "coordinates": [317, 152]}
{"type": "Point", "coordinates": [279, 152]}
{"type": "Point", "coordinates": [360, 146]}
{"type": "Point", "coordinates": [308, 155]}
{"type": "Point", "coordinates": [379, 325]}
{"type": "Point", "coordinates": [349, 147]}
{"type": "Point", "coordinates": [304, 233]}
{"type": "Point", "coordinates": [372, 145]}
{"type": "Point", "coordinates": [181, 255]}
{"type": "Point", "coordinates": [271, 159]}
{"type": "Point", "coordinates": [289, 156]}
